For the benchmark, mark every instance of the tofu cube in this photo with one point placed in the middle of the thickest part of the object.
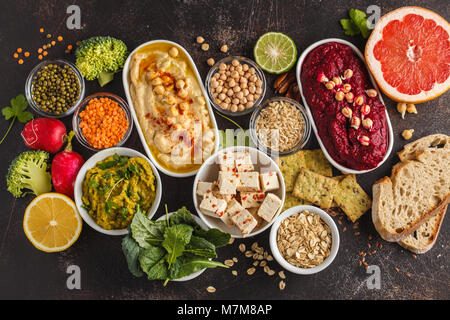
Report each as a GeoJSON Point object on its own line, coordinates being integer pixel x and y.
{"type": "Point", "coordinates": [227, 162]}
{"type": "Point", "coordinates": [204, 188]}
{"type": "Point", "coordinates": [269, 181]}
{"type": "Point", "coordinates": [227, 182]}
{"type": "Point", "coordinates": [252, 199]}
{"type": "Point", "coordinates": [269, 207]}
{"type": "Point", "coordinates": [248, 181]}
{"type": "Point", "coordinates": [243, 162]}
{"type": "Point", "coordinates": [234, 207]}
{"type": "Point", "coordinates": [213, 207]}
{"type": "Point", "coordinates": [254, 213]}
{"type": "Point", "coordinates": [244, 221]}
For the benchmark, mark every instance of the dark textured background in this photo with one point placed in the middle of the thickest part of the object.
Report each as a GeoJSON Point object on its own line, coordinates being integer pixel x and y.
{"type": "Point", "coordinates": [28, 273]}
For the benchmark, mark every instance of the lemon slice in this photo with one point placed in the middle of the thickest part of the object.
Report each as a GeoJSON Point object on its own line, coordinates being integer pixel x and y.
{"type": "Point", "coordinates": [52, 222]}
{"type": "Point", "coordinates": [275, 52]}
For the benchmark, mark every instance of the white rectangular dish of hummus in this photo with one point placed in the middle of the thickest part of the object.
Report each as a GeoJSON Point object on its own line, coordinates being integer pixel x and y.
{"type": "Point", "coordinates": [170, 107]}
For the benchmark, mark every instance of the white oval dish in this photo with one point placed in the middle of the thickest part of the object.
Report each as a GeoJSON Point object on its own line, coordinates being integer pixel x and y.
{"type": "Point", "coordinates": [308, 111]}
{"type": "Point", "coordinates": [126, 87]}
{"type": "Point", "coordinates": [209, 172]}
{"type": "Point", "coordinates": [89, 164]}
{"type": "Point", "coordinates": [203, 226]}
{"type": "Point", "coordinates": [334, 240]}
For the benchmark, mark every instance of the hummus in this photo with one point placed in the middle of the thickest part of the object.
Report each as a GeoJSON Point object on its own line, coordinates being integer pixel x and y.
{"type": "Point", "coordinates": [115, 188]}
{"type": "Point", "coordinates": [354, 146]}
{"type": "Point", "coordinates": [170, 107]}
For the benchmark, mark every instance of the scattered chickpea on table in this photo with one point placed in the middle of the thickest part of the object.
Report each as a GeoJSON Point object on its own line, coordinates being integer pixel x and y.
{"type": "Point", "coordinates": [235, 86]}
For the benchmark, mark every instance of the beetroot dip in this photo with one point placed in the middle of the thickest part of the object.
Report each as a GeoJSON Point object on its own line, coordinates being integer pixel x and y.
{"type": "Point", "coordinates": [342, 141]}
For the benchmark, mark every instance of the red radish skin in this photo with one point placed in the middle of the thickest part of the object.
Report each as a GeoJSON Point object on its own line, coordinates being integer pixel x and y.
{"type": "Point", "coordinates": [65, 167]}
{"type": "Point", "coordinates": [45, 134]}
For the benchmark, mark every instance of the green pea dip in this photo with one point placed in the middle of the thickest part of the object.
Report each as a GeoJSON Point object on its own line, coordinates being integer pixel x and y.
{"type": "Point", "coordinates": [115, 188]}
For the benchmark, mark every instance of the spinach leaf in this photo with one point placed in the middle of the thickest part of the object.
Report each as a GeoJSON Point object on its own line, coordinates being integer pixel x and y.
{"type": "Point", "coordinates": [131, 251]}
{"type": "Point", "coordinates": [201, 247]}
{"type": "Point", "coordinates": [183, 216]}
{"type": "Point", "coordinates": [153, 263]}
{"type": "Point", "coordinates": [145, 231]}
{"type": "Point", "coordinates": [215, 236]}
{"type": "Point", "coordinates": [176, 237]}
{"type": "Point", "coordinates": [193, 264]}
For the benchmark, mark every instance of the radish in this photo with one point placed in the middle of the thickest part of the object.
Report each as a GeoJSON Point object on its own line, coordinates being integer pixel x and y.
{"type": "Point", "coordinates": [44, 134]}
{"type": "Point", "coordinates": [65, 167]}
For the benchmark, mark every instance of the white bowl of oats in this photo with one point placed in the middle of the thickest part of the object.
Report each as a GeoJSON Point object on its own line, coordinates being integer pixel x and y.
{"type": "Point", "coordinates": [280, 126]}
{"type": "Point", "coordinates": [304, 240]}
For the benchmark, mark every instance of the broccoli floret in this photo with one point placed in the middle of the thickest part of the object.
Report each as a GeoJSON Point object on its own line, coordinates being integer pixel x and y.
{"type": "Point", "coordinates": [29, 171]}
{"type": "Point", "coordinates": [101, 57]}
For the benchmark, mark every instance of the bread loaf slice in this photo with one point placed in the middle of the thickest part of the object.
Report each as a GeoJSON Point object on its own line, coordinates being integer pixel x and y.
{"type": "Point", "coordinates": [432, 141]}
{"type": "Point", "coordinates": [424, 238]}
{"type": "Point", "coordinates": [418, 190]}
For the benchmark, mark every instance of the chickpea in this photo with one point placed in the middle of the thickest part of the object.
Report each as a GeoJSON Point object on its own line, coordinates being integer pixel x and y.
{"type": "Point", "coordinates": [183, 93]}
{"type": "Point", "coordinates": [156, 82]}
{"type": "Point", "coordinates": [210, 62]}
{"type": "Point", "coordinates": [250, 98]}
{"type": "Point", "coordinates": [239, 68]}
{"type": "Point", "coordinates": [188, 82]}
{"type": "Point", "coordinates": [241, 107]}
{"type": "Point", "coordinates": [243, 100]}
{"type": "Point", "coordinates": [227, 100]}
{"type": "Point", "coordinates": [245, 92]}
{"type": "Point", "coordinates": [159, 90]}
{"type": "Point", "coordinates": [231, 68]}
{"type": "Point", "coordinates": [243, 80]}
{"type": "Point", "coordinates": [219, 89]}
{"type": "Point", "coordinates": [235, 101]}
{"type": "Point", "coordinates": [222, 66]}
{"type": "Point", "coordinates": [245, 67]}
{"type": "Point", "coordinates": [232, 83]}
{"type": "Point", "coordinates": [401, 107]}
{"type": "Point", "coordinates": [407, 134]}
{"type": "Point", "coordinates": [258, 83]}
{"type": "Point", "coordinates": [200, 100]}
{"type": "Point", "coordinates": [244, 85]}
{"type": "Point", "coordinates": [222, 96]}
{"type": "Point", "coordinates": [217, 101]}
{"type": "Point", "coordinates": [234, 108]}
{"type": "Point", "coordinates": [220, 82]}
{"type": "Point", "coordinates": [173, 52]}
{"type": "Point", "coordinates": [240, 95]}
{"type": "Point", "coordinates": [228, 73]}
{"type": "Point", "coordinates": [216, 75]}
{"type": "Point", "coordinates": [180, 84]}
{"type": "Point", "coordinates": [151, 75]}
{"type": "Point", "coordinates": [236, 88]}
{"type": "Point", "coordinates": [171, 100]}
{"type": "Point", "coordinates": [224, 48]}
{"type": "Point", "coordinates": [252, 70]}
{"type": "Point", "coordinates": [252, 89]}
{"type": "Point", "coordinates": [235, 62]}
{"type": "Point", "coordinates": [173, 111]}
{"type": "Point", "coordinates": [205, 47]}
{"type": "Point", "coordinates": [224, 106]}
{"type": "Point", "coordinates": [214, 95]}
{"type": "Point", "coordinates": [235, 75]}
{"type": "Point", "coordinates": [248, 105]}
{"type": "Point", "coordinates": [257, 96]}
{"type": "Point", "coordinates": [200, 39]}
{"type": "Point", "coordinates": [223, 77]}
{"type": "Point", "coordinates": [230, 92]}
{"type": "Point", "coordinates": [253, 78]}
{"type": "Point", "coordinates": [259, 90]}
{"type": "Point", "coordinates": [411, 108]}
{"type": "Point", "coordinates": [185, 106]}
{"type": "Point", "coordinates": [247, 75]}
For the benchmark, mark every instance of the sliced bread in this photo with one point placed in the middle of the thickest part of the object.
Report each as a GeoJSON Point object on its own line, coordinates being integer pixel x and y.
{"type": "Point", "coordinates": [418, 190]}
{"type": "Point", "coordinates": [424, 238]}
{"type": "Point", "coordinates": [432, 141]}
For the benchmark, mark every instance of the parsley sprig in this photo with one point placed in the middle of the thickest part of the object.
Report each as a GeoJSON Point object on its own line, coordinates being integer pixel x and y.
{"type": "Point", "coordinates": [17, 110]}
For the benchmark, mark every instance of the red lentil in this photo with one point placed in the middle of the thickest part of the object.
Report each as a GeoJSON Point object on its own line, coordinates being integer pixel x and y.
{"type": "Point", "coordinates": [103, 123]}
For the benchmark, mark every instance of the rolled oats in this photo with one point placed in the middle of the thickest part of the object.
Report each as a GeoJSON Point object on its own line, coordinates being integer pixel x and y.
{"type": "Point", "coordinates": [304, 240]}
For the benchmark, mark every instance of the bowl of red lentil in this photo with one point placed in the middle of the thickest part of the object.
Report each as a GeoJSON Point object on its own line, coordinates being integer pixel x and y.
{"type": "Point", "coordinates": [102, 120]}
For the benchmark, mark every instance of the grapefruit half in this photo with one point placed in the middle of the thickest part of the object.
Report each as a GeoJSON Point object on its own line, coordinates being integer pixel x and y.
{"type": "Point", "coordinates": [408, 54]}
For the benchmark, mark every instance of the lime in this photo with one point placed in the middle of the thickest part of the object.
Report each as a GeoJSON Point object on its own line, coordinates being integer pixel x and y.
{"type": "Point", "coordinates": [275, 52]}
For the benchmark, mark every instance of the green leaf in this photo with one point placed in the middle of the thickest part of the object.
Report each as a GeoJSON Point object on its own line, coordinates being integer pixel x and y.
{"type": "Point", "coordinates": [25, 116]}
{"type": "Point", "coordinates": [183, 216]}
{"type": "Point", "coordinates": [193, 264]}
{"type": "Point", "coordinates": [8, 113]}
{"type": "Point", "coordinates": [360, 19]}
{"type": "Point", "coordinates": [350, 28]}
{"type": "Point", "coordinates": [201, 247]}
{"type": "Point", "coordinates": [131, 251]}
{"type": "Point", "coordinates": [153, 263]}
{"type": "Point", "coordinates": [109, 205]}
{"type": "Point", "coordinates": [215, 236]}
{"type": "Point", "coordinates": [176, 237]}
{"type": "Point", "coordinates": [107, 165]}
{"type": "Point", "coordinates": [145, 231]}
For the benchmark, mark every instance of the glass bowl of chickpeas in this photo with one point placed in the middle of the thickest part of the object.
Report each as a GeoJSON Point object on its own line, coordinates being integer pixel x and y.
{"type": "Point", "coordinates": [54, 88]}
{"type": "Point", "coordinates": [235, 85]}
{"type": "Point", "coordinates": [101, 121]}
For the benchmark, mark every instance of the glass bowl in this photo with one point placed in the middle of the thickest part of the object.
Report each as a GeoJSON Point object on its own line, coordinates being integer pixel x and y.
{"type": "Point", "coordinates": [76, 119]}
{"type": "Point", "coordinates": [254, 136]}
{"type": "Point", "coordinates": [242, 60]}
{"type": "Point", "coordinates": [29, 88]}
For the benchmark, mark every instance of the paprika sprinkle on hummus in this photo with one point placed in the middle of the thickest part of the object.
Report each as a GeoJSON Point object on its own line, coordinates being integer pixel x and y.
{"type": "Point", "coordinates": [338, 108]}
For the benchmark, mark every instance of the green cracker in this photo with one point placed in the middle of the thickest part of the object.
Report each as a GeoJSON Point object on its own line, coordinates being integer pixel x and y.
{"type": "Point", "coordinates": [317, 162]}
{"type": "Point", "coordinates": [315, 188]}
{"type": "Point", "coordinates": [290, 167]}
{"type": "Point", "coordinates": [291, 201]}
{"type": "Point", "coordinates": [351, 198]}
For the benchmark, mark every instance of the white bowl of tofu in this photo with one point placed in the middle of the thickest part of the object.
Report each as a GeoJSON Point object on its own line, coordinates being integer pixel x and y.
{"type": "Point", "coordinates": [239, 190]}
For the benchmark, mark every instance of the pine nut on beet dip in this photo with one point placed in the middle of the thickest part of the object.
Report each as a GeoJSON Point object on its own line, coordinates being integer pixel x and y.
{"type": "Point", "coordinates": [349, 116]}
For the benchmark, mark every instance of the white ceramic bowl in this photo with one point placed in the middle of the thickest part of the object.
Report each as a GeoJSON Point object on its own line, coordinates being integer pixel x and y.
{"type": "Point", "coordinates": [334, 240]}
{"type": "Point", "coordinates": [90, 163]}
{"type": "Point", "coordinates": [209, 172]}
{"type": "Point", "coordinates": [203, 226]}
{"type": "Point", "coordinates": [126, 86]}
{"type": "Point", "coordinates": [301, 59]}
